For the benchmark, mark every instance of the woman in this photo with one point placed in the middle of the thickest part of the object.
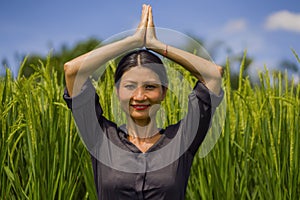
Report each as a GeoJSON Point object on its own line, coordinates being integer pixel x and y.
{"type": "Point", "coordinates": [139, 160]}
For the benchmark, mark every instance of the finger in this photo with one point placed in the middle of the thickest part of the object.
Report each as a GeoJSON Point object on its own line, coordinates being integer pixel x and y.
{"type": "Point", "coordinates": [150, 18]}
{"type": "Point", "coordinates": [144, 17]}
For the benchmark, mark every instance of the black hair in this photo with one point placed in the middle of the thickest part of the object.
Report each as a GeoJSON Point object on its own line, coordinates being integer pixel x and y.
{"type": "Point", "coordinates": [144, 58]}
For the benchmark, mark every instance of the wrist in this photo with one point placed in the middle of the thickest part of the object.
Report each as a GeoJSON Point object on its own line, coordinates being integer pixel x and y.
{"type": "Point", "coordinates": [134, 42]}
{"type": "Point", "coordinates": [156, 45]}
{"type": "Point", "coordinates": [159, 47]}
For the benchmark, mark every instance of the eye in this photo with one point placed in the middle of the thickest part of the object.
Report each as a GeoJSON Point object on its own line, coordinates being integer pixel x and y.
{"type": "Point", "coordinates": [150, 87]}
{"type": "Point", "coordinates": [130, 86]}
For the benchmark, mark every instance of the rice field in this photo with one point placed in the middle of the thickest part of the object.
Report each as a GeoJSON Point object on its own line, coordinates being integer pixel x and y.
{"type": "Point", "coordinates": [256, 156]}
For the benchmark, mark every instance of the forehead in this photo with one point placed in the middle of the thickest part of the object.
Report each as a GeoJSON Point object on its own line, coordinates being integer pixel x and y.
{"type": "Point", "coordinates": [140, 74]}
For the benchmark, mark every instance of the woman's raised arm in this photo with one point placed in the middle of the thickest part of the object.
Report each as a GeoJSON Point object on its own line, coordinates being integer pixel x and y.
{"type": "Point", "coordinates": [202, 69]}
{"type": "Point", "coordinates": [80, 68]}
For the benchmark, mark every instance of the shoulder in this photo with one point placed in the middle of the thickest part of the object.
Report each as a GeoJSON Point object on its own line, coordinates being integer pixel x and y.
{"type": "Point", "coordinates": [87, 94]}
{"type": "Point", "coordinates": [207, 96]}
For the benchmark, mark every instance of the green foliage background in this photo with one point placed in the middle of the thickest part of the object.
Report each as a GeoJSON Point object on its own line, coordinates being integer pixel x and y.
{"type": "Point", "coordinates": [256, 157]}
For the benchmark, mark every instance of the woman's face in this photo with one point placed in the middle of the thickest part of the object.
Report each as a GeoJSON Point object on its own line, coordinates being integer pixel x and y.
{"type": "Point", "coordinates": [140, 94]}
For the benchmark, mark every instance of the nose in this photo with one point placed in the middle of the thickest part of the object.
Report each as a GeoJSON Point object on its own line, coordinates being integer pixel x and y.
{"type": "Point", "coordinates": [139, 94]}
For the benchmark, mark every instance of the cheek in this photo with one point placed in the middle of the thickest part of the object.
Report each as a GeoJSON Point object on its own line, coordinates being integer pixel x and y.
{"type": "Point", "coordinates": [124, 98]}
{"type": "Point", "coordinates": [157, 96]}
{"type": "Point", "coordinates": [124, 95]}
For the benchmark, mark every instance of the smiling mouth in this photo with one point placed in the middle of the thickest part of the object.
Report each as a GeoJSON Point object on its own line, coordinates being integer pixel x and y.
{"type": "Point", "coordinates": [140, 107]}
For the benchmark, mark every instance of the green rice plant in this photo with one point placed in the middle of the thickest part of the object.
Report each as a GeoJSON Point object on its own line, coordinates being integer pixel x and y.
{"type": "Point", "coordinates": [256, 157]}
{"type": "Point", "coordinates": [42, 156]}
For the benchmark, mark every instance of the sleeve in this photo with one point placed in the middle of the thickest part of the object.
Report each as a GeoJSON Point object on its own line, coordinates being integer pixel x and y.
{"type": "Point", "coordinates": [201, 107]}
{"type": "Point", "coordinates": [87, 114]}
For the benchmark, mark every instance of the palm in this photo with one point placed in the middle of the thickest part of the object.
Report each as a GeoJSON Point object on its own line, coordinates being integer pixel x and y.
{"type": "Point", "coordinates": [142, 27]}
{"type": "Point", "coordinates": [145, 33]}
{"type": "Point", "coordinates": [150, 34]}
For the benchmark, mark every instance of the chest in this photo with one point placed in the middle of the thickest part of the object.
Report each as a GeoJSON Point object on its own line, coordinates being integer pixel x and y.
{"type": "Point", "coordinates": [171, 179]}
{"type": "Point", "coordinates": [144, 144]}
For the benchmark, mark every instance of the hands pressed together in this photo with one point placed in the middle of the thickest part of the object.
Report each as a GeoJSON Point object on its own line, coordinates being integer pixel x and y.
{"type": "Point", "coordinates": [145, 32]}
{"type": "Point", "coordinates": [144, 36]}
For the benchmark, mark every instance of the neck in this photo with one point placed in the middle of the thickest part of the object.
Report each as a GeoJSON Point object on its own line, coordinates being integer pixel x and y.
{"type": "Point", "coordinates": [141, 131]}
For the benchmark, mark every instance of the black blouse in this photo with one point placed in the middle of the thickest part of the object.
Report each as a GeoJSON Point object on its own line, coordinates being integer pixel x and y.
{"type": "Point", "coordinates": [121, 170]}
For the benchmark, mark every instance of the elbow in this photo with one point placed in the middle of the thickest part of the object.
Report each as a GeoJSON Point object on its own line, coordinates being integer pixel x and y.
{"type": "Point", "coordinates": [215, 81]}
{"type": "Point", "coordinates": [221, 71]}
{"type": "Point", "coordinates": [68, 70]}
{"type": "Point", "coordinates": [218, 74]}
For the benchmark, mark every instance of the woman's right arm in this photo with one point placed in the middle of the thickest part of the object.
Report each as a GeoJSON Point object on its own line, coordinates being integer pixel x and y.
{"type": "Point", "coordinates": [80, 68]}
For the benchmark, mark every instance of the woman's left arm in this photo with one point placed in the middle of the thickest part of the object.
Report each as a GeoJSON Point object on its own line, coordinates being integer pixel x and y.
{"type": "Point", "coordinates": [204, 70]}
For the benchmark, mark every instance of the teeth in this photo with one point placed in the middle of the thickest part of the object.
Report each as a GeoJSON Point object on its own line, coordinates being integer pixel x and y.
{"type": "Point", "coordinates": [140, 106]}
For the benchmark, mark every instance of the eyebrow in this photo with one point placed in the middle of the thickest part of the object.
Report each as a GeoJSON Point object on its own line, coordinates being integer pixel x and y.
{"type": "Point", "coordinates": [145, 82]}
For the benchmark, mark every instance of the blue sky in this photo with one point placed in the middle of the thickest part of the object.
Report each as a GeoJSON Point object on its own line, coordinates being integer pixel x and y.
{"type": "Point", "coordinates": [268, 29]}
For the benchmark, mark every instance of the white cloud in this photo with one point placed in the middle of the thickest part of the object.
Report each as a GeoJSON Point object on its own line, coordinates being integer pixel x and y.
{"type": "Point", "coordinates": [283, 20]}
{"type": "Point", "coordinates": [234, 26]}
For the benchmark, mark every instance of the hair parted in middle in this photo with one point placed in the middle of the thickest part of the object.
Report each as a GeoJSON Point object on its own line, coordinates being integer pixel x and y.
{"type": "Point", "coordinates": [143, 58]}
